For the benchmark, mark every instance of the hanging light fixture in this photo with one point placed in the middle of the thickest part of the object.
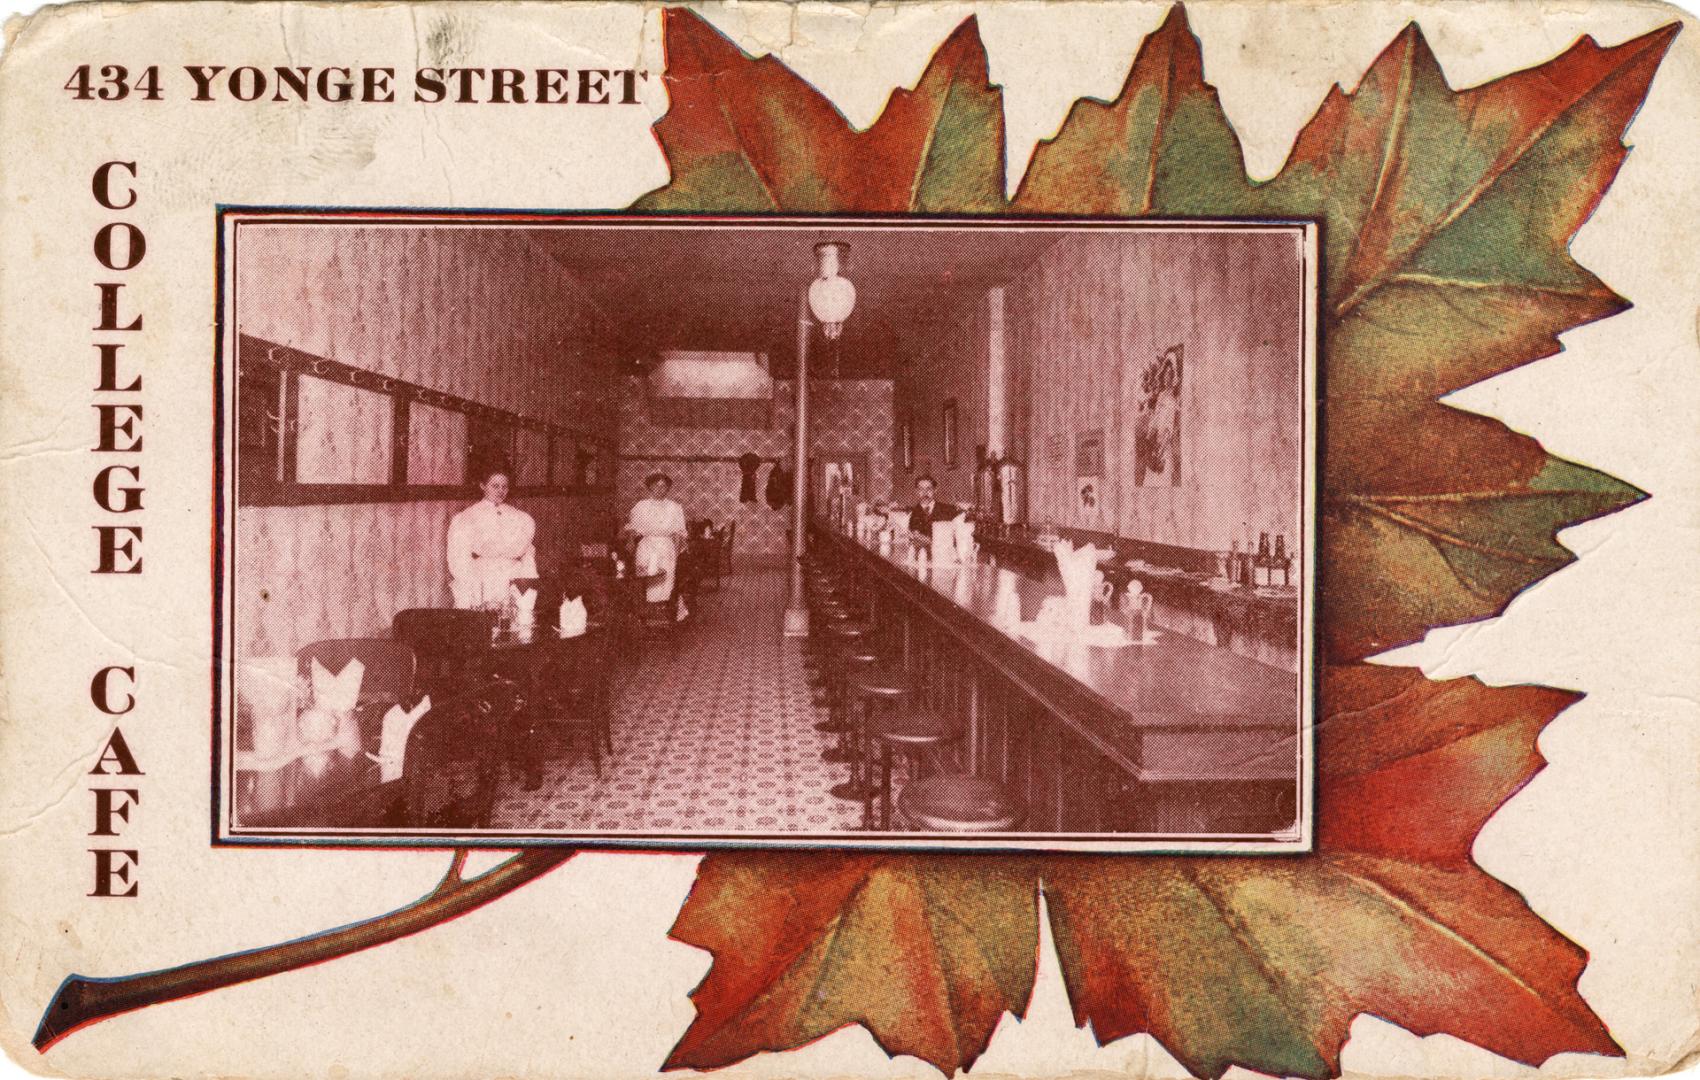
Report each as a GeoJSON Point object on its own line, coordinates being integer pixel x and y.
{"type": "Point", "coordinates": [831, 298]}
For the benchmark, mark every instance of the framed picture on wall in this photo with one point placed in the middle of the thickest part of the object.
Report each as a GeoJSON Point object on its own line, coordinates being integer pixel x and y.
{"type": "Point", "coordinates": [1089, 453]}
{"type": "Point", "coordinates": [950, 433]}
{"type": "Point", "coordinates": [1157, 423]}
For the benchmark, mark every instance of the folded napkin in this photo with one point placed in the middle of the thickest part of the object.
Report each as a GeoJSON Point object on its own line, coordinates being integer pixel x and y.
{"type": "Point", "coordinates": [944, 543]}
{"type": "Point", "coordinates": [574, 618]}
{"type": "Point", "coordinates": [1007, 610]}
{"type": "Point", "coordinates": [525, 604]}
{"type": "Point", "coordinates": [1080, 576]}
{"type": "Point", "coordinates": [337, 694]}
{"type": "Point", "coordinates": [964, 538]}
{"type": "Point", "coordinates": [392, 745]}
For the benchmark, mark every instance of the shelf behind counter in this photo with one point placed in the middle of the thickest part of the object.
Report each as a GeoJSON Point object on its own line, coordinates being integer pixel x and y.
{"type": "Point", "coordinates": [1261, 624]}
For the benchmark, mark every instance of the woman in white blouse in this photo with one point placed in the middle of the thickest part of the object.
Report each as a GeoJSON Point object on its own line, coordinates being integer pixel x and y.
{"type": "Point", "coordinates": [659, 523]}
{"type": "Point", "coordinates": [490, 544]}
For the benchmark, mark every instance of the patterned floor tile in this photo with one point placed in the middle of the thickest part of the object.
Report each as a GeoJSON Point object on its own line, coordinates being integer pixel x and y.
{"type": "Point", "coordinates": [714, 732]}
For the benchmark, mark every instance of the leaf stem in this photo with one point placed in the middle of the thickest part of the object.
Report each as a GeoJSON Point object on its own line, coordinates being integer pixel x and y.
{"type": "Point", "coordinates": [81, 1000]}
{"type": "Point", "coordinates": [452, 877]}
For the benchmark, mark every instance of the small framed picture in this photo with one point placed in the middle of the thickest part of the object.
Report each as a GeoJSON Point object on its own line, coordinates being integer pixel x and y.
{"type": "Point", "coordinates": [1089, 453]}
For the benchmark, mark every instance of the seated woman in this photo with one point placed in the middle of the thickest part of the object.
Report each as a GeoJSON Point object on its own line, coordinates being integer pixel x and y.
{"type": "Point", "coordinates": [490, 544]}
{"type": "Point", "coordinates": [659, 524]}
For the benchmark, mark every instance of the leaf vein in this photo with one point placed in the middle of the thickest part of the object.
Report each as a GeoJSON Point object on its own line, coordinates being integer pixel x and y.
{"type": "Point", "coordinates": [1443, 536]}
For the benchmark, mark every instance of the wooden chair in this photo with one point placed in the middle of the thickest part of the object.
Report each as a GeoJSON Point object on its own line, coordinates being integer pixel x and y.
{"type": "Point", "coordinates": [452, 647]}
{"type": "Point", "coordinates": [455, 756]}
{"type": "Point", "coordinates": [566, 701]}
{"type": "Point", "coordinates": [717, 552]}
{"type": "Point", "coordinates": [391, 668]}
{"type": "Point", "coordinates": [704, 552]}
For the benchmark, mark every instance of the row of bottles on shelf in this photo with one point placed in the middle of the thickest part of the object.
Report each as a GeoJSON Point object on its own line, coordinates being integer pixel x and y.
{"type": "Point", "coordinates": [1266, 562]}
{"type": "Point", "coordinates": [1256, 567]}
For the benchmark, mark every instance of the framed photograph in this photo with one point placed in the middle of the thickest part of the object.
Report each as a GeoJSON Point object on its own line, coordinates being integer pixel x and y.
{"type": "Point", "coordinates": [1157, 420]}
{"type": "Point", "coordinates": [1089, 453]}
{"type": "Point", "coordinates": [950, 433]}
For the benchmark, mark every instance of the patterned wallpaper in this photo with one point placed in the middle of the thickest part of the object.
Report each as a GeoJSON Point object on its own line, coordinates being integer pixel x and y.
{"type": "Point", "coordinates": [1082, 325]}
{"type": "Point", "coordinates": [477, 313]}
{"type": "Point", "coordinates": [304, 574]}
{"type": "Point", "coordinates": [955, 369]}
{"type": "Point", "coordinates": [846, 415]}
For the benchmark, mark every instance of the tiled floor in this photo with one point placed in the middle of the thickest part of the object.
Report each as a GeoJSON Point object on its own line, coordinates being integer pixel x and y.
{"type": "Point", "coordinates": [713, 732]}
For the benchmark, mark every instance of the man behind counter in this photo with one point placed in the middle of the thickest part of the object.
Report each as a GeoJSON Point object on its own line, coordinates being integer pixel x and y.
{"type": "Point", "coordinates": [927, 509]}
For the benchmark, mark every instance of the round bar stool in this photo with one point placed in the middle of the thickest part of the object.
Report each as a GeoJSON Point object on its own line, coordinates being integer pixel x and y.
{"type": "Point", "coordinates": [830, 609]}
{"type": "Point", "coordinates": [840, 632]}
{"type": "Point", "coordinates": [880, 691]}
{"type": "Point", "coordinates": [911, 733]}
{"type": "Point", "coordinates": [821, 586]}
{"type": "Point", "coordinates": [958, 804]}
{"type": "Point", "coordinates": [848, 654]}
{"type": "Point", "coordinates": [817, 646]}
{"type": "Point", "coordinates": [860, 786]}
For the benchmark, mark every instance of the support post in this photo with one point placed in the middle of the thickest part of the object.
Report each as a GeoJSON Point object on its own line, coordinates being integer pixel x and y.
{"type": "Point", "coordinates": [796, 610]}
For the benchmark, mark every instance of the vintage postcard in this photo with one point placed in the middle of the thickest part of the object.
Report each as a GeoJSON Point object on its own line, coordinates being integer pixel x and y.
{"type": "Point", "coordinates": [595, 540]}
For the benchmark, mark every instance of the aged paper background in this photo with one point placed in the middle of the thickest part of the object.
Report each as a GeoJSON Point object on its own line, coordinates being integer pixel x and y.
{"type": "Point", "coordinates": [574, 975]}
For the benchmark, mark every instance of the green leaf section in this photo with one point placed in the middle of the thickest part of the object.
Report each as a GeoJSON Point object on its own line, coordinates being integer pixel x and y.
{"type": "Point", "coordinates": [1164, 146]}
{"type": "Point", "coordinates": [747, 135]}
{"type": "Point", "coordinates": [1264, 962]}
{"type": "Point", "coordinates": [1446, 218]}
{"type": "Point", "coordinates": [927, 953]}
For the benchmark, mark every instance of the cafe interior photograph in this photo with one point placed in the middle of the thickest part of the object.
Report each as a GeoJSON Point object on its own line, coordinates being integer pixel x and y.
{"type": "Point", "coordinates": [676, 532]}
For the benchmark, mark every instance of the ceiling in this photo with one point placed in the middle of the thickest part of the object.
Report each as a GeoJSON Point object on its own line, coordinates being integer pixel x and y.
{"type": "Point", "coordinates": [736, 287]}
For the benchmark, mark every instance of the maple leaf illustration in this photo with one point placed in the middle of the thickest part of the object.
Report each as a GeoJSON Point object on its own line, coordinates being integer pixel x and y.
{"type": "Point", "coordinates": [749, 135]}
{"type": "Point", "coordinates": [1447, 218]}
{"type": "Point", "coordinates": [1253, 961]}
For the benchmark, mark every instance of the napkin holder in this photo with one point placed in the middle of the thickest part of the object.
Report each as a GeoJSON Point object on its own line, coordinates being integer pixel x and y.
{"type": "Point", "coordinates": [574, 618]}
{"type": "Point", "coordinates": [525, 606]}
